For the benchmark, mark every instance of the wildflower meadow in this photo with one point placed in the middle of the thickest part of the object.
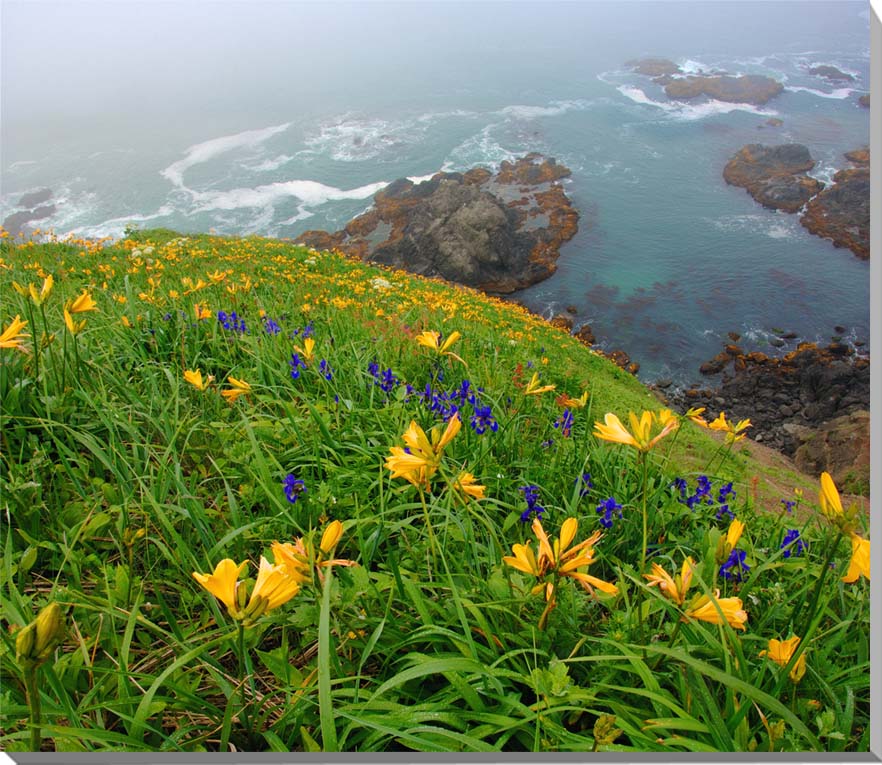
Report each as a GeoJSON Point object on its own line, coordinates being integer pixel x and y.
{"type": "Point", "coordinates": [258, 497]}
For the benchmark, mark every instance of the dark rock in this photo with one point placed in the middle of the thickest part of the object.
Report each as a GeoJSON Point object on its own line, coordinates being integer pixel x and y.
{"type": "Point", "coordinates": [653, 67]}
{"type": "Point", "coordinates": [777, 342]}
{"type": "Point", "coordinates": [842, 212]}
{"type": "Point", "coordinates": [745, 89]}
{"type": "Point", "coordinates": [620, 358]}
{"type": "Point", "coordinates": [35, 198]}
{"type": "Point", "coordinates": [734, 336]}
{"type": "Point", "coordinates": [664, 383]}
{"type": "Point", "coordinates": [865, 100]}
{"type": "Point", "coordinates": [15, 223]}
{"type": "Point", "coordinates": [571, 309]}
{"type": "Point", "coordinates": [839, 329]}
{"type": "Point", "coordinates": [562, 322]}
{"type": "Point", "coordinates": [774, 175]}
{"type": "Point", "coordinates": [831, 73]}
{"type": "Point", "coordinates": [789, 335]}
{"type": "Point", "coordinates": [585, 334]}
{"type": "Point", "coordinates": [860, 157]}
{"type": "Point", "coordinates": [472, 228]}
{"type": "Point", "coordinates": [774, 122]}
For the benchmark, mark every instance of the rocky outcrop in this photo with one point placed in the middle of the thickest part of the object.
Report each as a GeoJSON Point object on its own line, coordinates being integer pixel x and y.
{"type": "Point", "coordinates": [15, 223]}
{"type": "Point", "coordinates": [754, 89]}
{"type": "Point", "coordinates": [831, 73]}
{"type": "Point", "coordinates": [860, 157]}
{"type": "Point", "coordinates": [842, 211]}
{"type": "Point", "coordinates": [864, 100]}
{"type": "Point", "coordinates": [841, 446]}
{"type": "Point", "coordinates": [498, 233]}
{"type": "Point", "coordinates": [775, 176]}
{"type": "Point", "coordinates": [786, 398]}
{"type": "Point", "coordinates": [654, 67]}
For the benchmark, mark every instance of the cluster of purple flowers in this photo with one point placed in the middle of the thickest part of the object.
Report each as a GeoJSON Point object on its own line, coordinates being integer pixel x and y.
{"type": "Point", "coordinates": [704, 495]}
{"type": "Point", "coordinates": [325, 369]}
{"type": "Point", "coordinates": [305, 332]}
{"type": "Point", "coordinates": [294, 487]}
{"type": "Point", "coordinates": [793, 544]}
{"type": "Point", "coordinates": [607, 508]}
{"type": "Point", "coordinates": [531, 495]}
{"type": "Point", "coordinates": [445, 404]}
{"type": "Point", "coordinates": [734, 569]}
{"type": "Point", "coordinates": [270, 326]}
{"type": "Point", "coordinates": [386, 380]}
{"type": "Point", "coordinates": [232, 322]}
{"type": "Point", "coordinates": [788, 505]}
{"type": "Point", "coordinates": [565, 423]}
{"type": "Point", "coordinates": [296, 364]}
{"type": "Point", "coordinates": [587, 484]}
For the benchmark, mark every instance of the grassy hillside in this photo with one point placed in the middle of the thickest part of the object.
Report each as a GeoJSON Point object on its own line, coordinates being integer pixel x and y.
{"type": "Point", "coordinates": [176, 401]}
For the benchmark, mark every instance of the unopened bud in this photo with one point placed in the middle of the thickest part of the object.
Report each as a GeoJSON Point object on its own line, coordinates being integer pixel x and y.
{"type": "Point", "coordinates": [35, 643]}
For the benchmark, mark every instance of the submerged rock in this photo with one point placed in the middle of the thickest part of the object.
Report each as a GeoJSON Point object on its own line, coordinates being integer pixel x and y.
{"type": "Point", "coordinates": [865, 100]}
{"type": "Point", "coordinates": [15, 223]}
{"type": "Point", "coordinates": [775, 176]}
{"type": "Point", "coordinates": [654, 67]}
{"type": "Point", "coordinates": [831, 73]}
{"type": "Point", "coordinates": [499, 233]}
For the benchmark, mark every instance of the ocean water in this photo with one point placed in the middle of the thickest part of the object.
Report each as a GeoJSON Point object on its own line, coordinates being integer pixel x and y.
{"type": "Point", "coordinates": [668, 258]}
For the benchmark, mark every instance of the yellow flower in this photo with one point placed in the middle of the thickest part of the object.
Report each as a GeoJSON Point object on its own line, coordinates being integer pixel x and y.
{"type": "Point", "coordinates": [237, 388]}
{"type": "Point", "coordinates": [223, 582]}
{"type": "Point", "coordinates": [694, 414]}
{"type": "Point", "coordinates": [781, 651]}
{"type": "Point", "coordinates": [13, 337]}
{"type": "Point", "coordinates": [534, 389]}
{"type": "Point", "coordinates": [82, 304]}
{"type": "Point", "coordinates": [733, 432]}
{"type": "Point", "coordinates": [831, 504]}
{"type": "Point", "coordinates": [465, 483]}
{"type": "Point", "coordinates": [675, 589]}
{"type": "Point", "coordinates": [734, 533]}
{"type": "Point", "coordinates": [421, 460]}
{"type": "Point", "coordinates": [195, 379]}
{"type": "Point", "coordinates": [331, 536]}
{"type": "Point", "coordinates": [40, 297]}
{"type": "Point", "coordinates": [860, 559]}
{"type": "Point", "coordinates": [568, 402]}
{"type": "Point", "coordinates": [716, 610]}
{"type": "Point", "coordinates": [611, 429]}
{"type": "Point", "coordinates": [200, 310]}
{"type": "Point", "coordinates": [665, 416]}
{"type": "Point", "coordinates": [299, 557]}
{"type": "Point", "coordinates": [307, 350]}
{"type": "Point", "coordinates": [432, 339]}
{"type": "Point", "coordinates": [74, 327]}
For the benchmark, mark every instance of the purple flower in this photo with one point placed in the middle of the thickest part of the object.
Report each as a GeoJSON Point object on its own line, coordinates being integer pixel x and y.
{"type": "Point", "coordinates": [788, 505]}
{"type": "Point", "coordinates": [735, 568]}
{"type": "Point", "coordinates": [587, 484]}
{"type": "Point", "coordinates": [325, 369]}
{"type": "Point", "coordinates": [608, 507]}
{"type": "Point", "coordinates": [270, 327]}
{"type": "Point", "coordinates": [531, 495]}
{"type": "Point", "coordinates": [483, 420]}
{"type": "Point", "coordinates": [792, 539]}
{"type": "Point", "coordinates": [296, 364]}
{"type": "Point", "coordinates": [294, 487]}
{"type": "Point", "coordinates": [565, 423]}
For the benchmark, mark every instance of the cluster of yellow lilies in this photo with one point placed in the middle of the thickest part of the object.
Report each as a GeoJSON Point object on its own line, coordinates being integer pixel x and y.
{"type": "Point", "coordinates": [13, 336]}
{"type": "Point", "coordinates": [237, 387]}
{"type": "Point", "coordinates": [276, 582]}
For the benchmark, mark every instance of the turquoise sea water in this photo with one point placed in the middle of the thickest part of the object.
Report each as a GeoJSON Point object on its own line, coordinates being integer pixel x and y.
{"type": "Point", "coordinates": [668, 258]}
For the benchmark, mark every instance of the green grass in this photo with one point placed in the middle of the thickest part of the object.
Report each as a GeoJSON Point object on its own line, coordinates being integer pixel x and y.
{"type": "Point", "coordinates": [120, 479]}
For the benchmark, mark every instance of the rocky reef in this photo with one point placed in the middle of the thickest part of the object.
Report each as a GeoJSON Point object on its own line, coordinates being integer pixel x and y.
{"type": "Point", "coordinates": [775, 176]}
{"type": "Point", "coordinates": [498, 233]}
{"type": "Point", "coordinates": [754, 89]}
{"type": "Point", "coordinates": [842, 211]}
{"type": "Point", "coordinates": [33, 209]}
{"type": "Point", "coordinates": [864, 100]}
{"type": "Point", "coordinates": [831, 73]}
{"type": "Point", "coordinates": [812, 404]}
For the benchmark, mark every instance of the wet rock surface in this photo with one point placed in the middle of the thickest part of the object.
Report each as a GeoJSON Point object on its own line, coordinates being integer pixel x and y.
{"type": "Point", "coordinates": [34, 210]}
{"type": "Point", "coordinates": [775, 176]}
{"type": "Point", "coordinates": [831, 73]}
{"type": "Point", "coordinates": [842, 211]}
{"type": "Point", "coordinates": [744, 89]}
{"type": "Point", "coordinates": [498, 233]}
{"type": "Point", "coordinates": [787, 398]}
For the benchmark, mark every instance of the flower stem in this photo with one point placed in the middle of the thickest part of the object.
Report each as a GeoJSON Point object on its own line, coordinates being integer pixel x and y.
{"type": "Point", "coordinates": [33, 691]}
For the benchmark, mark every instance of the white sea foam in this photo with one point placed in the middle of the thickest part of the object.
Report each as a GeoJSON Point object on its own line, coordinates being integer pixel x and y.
{"type": "Point", "coordinates": [207, 150]}
{"type": "Point", "coordinates": [481, 149]}
{"type": "Point", "coordinates": [269, 164]}
{"type": "Point", "coordinates": [839, 93]}
{"type": "Point", "coordinates": [22, 163]}
{"type": "Point", "coordinates": [554, 109]}
{"type": "Point", "coordinates": [355, 140]}
{"type": "Point", "coordinates": [823, 172]}
{"type": "Point", "coordinates": [310, 193]}
{"type": "Point", "coordinates": [115, 227]}
{"type": "Point", "coordinates": [690, 66]}
{"type": "Point", "coordinates": [418, 179]}
{"type": "Point", "coordinates": [687, 111]}
{"type": "Point", "coordinates": [775, 225]}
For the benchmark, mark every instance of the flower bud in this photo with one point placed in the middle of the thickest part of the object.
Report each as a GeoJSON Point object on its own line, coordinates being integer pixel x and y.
{"type": "Point", "coordinates": [35, 643]}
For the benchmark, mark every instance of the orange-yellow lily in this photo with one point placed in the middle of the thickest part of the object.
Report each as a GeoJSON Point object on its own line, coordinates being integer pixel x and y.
{"type": "Point", "coordinates": [859, 565]}
{"type": "Point", "coordinates": [238, 388]}
{"type": "Point", "coordinates": [831, 504]}
{"type": "Point", "coordinates": [567, 402]}
{"type": "Point", "coordinates": [534, 389]}
{"type": "Point", "coordinates": [194, 377]}
{"type": "Point", "coordinates": [694, 414]}
{"type": "Point", "coordinates": [467, 484]}
{"type": "Point", "coordinates": [200, 311]}
{"type": "Point", "coordinates": [307, 351]}
{"type": "Point", "coordinates": [273, 587]}
{"type": "Point", "coordinates": [733, 432]}
{"type": "Point", "coordinates": [13, 337]}
{"type": "Point", "coordinates": [781, 651]}
{"type": "Point", "coordinates": [716, 610]}
{"type": "Point", "coordinates": [82, 304]}
{"type": "Point", "coordinates": [419, 461]}
{"type": "Point", "coordinates": [299, 557]}
{"type": "Point", "coordinates": [611, 429]}
{"type": "Point", "coordinates": [39, 298]}
{"type": "Point", "coordinates": [74, 327]}
{"type": "Point", "coordinates": [675, 589]}
{"type": "Point", "coordinates": [432, 339]}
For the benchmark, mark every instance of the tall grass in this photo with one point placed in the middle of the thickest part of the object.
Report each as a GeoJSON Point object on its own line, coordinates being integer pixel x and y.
{"type": "Point", "coordinates": [120, 479]}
